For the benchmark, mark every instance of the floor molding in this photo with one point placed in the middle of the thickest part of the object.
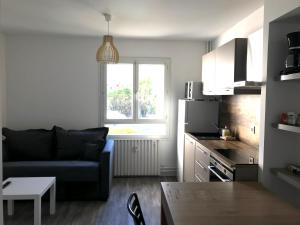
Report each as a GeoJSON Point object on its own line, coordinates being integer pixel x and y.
{"type": "Point", "coordinates": [168, 171]}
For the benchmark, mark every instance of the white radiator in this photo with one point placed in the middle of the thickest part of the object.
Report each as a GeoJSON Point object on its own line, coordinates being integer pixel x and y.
{"type": "Point", "coordinates": [136, 158]}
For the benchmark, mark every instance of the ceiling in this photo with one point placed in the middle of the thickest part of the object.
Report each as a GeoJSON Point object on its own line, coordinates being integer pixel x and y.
{"type": "Point", "coordinates": [157, 19]}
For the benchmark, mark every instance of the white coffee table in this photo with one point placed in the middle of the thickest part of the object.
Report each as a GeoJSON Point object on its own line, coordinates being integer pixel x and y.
{"type": "Point", "coordinates": [30, 188]}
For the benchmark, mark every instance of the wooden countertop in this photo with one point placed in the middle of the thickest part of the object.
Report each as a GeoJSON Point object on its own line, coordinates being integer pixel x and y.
{"type": "Point", "coordinates": [243, 149]}
{"type": "Point", "coordinates": [217, 203]}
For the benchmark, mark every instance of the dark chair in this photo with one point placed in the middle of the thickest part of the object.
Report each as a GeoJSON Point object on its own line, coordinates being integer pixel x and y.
{"type": "Point", "coordinates": [135, 210]}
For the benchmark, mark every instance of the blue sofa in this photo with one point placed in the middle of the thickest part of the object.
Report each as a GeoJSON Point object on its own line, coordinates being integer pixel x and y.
{"type": "Point", "coordinates": [81, 160]}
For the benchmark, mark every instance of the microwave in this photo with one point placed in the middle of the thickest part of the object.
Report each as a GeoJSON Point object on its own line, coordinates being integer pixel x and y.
{"type": "Point", "coordinates": [193, 90]}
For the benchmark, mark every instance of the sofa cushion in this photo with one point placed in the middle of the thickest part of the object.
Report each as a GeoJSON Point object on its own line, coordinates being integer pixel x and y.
{"type": "Point", "coordinates": [4, 152]}
{"type": "Point", "coordinates": [62, 170]}
{"type": "Point", "coordinates": [92, 152]}
{"type": "Point", "coordinates": [33, 144]}
{"type": "Point", "coordinates": [71, 144]}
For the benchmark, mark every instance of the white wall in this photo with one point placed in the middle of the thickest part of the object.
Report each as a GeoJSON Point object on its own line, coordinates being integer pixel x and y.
{"type": "Point", "coordinates": [277, 148]}
{"type": "Point", "coordinates": [243, 28]}
{"type": "Point", "coordinates": [2, 78]}
{"type": "Point", "coordinates": [2, 108]}
{"type": "Point", "coordinates": [55, 80]}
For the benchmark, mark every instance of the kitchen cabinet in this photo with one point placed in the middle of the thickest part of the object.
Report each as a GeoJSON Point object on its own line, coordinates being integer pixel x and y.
{"type": "Point", "coordinates": [202, 159]}
{"type": "Point", "coordinates": [231, 65]}
{"type": "Point", "coordinates": [209, 73]}
{"type": "Point", "coordinates": [189, 159]}
{"type": "Point", "coordinates": [255, 56]}
{"type": "Point", "coordinates": [224, 66]}
{"type": "Point", "coordinates": [196, 161]}
{"type": "Point", "coordinates": [232, 158]}
{"type": "Point", "coordinates": [224, 69]}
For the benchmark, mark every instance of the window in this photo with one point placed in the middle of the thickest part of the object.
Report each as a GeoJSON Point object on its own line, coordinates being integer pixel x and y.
{"type": "Point", "coordinates": [135, 97]}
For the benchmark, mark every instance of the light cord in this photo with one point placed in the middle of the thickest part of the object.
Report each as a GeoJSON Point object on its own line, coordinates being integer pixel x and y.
{"type": "Point", "coordinates": [108, 27]}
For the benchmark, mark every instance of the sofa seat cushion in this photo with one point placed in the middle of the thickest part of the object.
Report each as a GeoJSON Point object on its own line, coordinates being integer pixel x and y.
{"type": "Point", "coordinates": [62, 170]}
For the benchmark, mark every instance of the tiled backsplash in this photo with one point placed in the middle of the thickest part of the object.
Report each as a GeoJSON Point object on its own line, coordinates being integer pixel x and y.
{"type": "Point", "coordinates": [239, 113]}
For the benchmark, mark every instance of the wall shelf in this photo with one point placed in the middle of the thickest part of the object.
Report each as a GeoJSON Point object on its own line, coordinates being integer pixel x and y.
{"type": "Point", "coordinates": [287, 176]}
{"type": "Point", "coordinates": [293, 76]}
{"type": "Point", "coordinates": [286, 127]}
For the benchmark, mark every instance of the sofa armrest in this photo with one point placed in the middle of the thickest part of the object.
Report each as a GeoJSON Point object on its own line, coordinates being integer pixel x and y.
{"type": "Point", "coordinates": [106, 169]}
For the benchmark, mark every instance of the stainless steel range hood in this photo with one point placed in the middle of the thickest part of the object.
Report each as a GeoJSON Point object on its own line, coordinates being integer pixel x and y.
{"type": "Point", "coordinates": [247, 87]}
{"type": "Point", "coordinates": [247, 84]}
{"type": "Point", "coordinates": [249, 81]}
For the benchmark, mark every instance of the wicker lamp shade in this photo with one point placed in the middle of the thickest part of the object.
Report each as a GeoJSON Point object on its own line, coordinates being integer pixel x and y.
{"type": "Point", "coordinates": [107, 52]}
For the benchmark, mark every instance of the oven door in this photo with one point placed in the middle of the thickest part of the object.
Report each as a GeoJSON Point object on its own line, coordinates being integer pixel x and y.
{"type": "Point", "coordinates": [216, 175]}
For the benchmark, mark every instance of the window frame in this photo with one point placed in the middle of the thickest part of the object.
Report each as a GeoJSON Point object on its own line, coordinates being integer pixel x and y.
{"type": "Point", "coordinates": [135, 119]}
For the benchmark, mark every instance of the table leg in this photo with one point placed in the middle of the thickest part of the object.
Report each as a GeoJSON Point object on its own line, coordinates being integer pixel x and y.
{"type": "Point", "coordinates": [163, 220]}
{"type": "Point", "coordinates": [52, 199]}
{"type": "Point", "coordinates": [37, 211]}
{"type": "Point", "coordinates": [10, 207]}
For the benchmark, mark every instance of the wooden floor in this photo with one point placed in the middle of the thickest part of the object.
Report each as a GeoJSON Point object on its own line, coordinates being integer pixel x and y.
{"type": "Point", "coordinates": [112, 212]}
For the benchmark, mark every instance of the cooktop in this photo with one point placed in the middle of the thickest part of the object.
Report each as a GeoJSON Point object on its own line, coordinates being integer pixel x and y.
{"type": "Point", "coordinates": [234, 155]}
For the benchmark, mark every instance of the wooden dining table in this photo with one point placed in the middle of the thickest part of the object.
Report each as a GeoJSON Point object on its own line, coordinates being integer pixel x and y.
{"type": "Point", "coordinates": [229, 203]}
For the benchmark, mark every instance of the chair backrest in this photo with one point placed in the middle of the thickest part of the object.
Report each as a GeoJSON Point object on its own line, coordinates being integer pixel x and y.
{"type": "Point", "coordinates": [134, 208]}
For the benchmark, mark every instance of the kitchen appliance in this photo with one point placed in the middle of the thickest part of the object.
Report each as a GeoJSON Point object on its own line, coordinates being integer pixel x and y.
{"type": "Point", "coordinates": [294, 169]}
{"type": "Point", "coordinates": [225, 132]}
{"type": "Point", "coordinates": [194, 117]}
{"type": "Point", "coordinates": [241, 168]}
{"type": "Point", "coordinates": [219, 172]}
{"type": "Point", "coordinates": [193, 90]}
{"type": "Point", "coordinates": [292, 62]}
{"type": "Point", "coordinates": [251, 81]}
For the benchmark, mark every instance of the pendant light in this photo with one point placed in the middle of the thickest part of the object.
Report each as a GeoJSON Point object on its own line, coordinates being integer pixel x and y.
{"type": "Point", "coordinates": [107, 52]}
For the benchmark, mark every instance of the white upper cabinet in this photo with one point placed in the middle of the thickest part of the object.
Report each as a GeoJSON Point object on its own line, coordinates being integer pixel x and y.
{"type": "Point", "coordinates": [208, 73]}
{"type": "Point", "coordinates": [225, 69]}
{"type": "Point", "coordinates": [230, 65]}
{"type": "Point", "coordinates": [255, 56]}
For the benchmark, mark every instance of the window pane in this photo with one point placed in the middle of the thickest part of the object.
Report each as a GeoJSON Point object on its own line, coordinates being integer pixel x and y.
{"type": "Point", "coordinates": [119, 91]}
{"type": "Point", "coordinates": [137, 129]}
{"type": "Point", "coordinates": [151, 90]}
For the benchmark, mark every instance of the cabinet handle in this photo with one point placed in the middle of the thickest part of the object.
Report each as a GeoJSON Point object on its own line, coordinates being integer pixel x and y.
{"type": "Point", "coordinates": [200, 165]}
{"type": "Point", "coordinates": [204, 152]}
{"type": "Point", "coordinates": [191, 142]}
{"type": "Point", "coordinates": [198, 178]}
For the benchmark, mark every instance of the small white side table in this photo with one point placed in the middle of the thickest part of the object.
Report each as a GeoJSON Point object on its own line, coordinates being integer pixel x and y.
{"type": "Point", "coordinates": [30, 188]}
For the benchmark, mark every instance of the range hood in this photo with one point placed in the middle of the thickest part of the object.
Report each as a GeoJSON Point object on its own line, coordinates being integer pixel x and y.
{"type": "Point", "coordinates": [247, 87]}
{"type": "Point", "coordinates": [235, 67]}
{"type": "Point", "coordinates": [248, 81]}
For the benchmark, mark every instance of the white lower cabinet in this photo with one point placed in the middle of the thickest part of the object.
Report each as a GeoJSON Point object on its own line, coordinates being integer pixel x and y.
{"type": "Point", "coordinates": [196, 161]}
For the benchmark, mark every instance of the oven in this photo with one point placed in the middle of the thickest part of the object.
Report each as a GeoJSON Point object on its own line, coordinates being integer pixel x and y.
{"type": "Point", "coordinates": [219, 172]}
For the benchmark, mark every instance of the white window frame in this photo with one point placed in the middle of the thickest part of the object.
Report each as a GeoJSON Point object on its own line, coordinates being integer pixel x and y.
{"type": "Point", "coordinates": [135, 119]}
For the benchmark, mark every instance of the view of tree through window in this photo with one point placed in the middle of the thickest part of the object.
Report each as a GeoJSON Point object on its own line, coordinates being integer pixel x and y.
{"type": "Point", "coordinates": [151, 91]}
{"type": "Point", "coordinates": [136, 93]}
{"type": "Point", "coordinates": [120, 91]}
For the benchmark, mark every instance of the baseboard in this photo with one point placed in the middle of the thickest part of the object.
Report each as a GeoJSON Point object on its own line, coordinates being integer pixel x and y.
{"type": "Point", "coordinates": [166, 171]}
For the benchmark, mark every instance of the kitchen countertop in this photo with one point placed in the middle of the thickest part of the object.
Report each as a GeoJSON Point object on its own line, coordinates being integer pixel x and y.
{"type": "Point", "coordinates": [218, 203]}
{"type": "Point", "coordinates": [242, 154]}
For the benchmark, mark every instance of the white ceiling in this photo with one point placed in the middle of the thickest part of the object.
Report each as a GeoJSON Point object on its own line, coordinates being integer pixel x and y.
{"type": "Point", "coordinates": [164, 19]}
